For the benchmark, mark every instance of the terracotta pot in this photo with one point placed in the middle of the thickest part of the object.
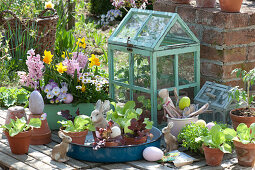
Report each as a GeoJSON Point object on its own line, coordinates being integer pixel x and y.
{"type": "Point", "coordinates": [19, 143]}
{"type": "Point", "coordinates": [236, 120]}
{"type": "Point", "coordinates": [111, 144]}
{"type": "Point", "coordinates": [181, 1]}
{"type": "Point", "coordinates": [245, 153]}
{"type": "Point", "coordinates": [230, 5]}
{"type": "Point", "coordinates": [205, 3]}
{"type": "Point", "coordinates": [40, 135]}
{"type": "Point", "coordinates": [14, 113]}
{"type": "Point", "coordinates": [213, 156]}
{"type": "Point", "coordinates": [77, 137]}
{"type": "Point", "coordinates": [134, 141]}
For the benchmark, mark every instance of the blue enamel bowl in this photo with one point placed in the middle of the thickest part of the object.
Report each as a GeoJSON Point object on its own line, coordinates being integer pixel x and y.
{"type": "Point", "coordinates": [112, 154]}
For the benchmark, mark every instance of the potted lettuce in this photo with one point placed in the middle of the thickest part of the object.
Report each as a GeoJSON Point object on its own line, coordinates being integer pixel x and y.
{"type": "Point", "coordinates": [76, 126]}
{"type": "Point", "coordinates": [19, 133]}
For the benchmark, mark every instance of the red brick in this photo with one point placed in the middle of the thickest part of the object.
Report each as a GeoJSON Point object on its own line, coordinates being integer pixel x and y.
{"type": "Point", "coordinates": [230, 20]}
{"type": "Point", "coordinates": [211, 70]}
{"type": "Point", "coordinates": [196, 29]}
{"type": "Point", "coordinates": [188, 14]}
{"type": "Point", "coordinates": [211, 53]}
{"type": "Point", "coordinates": [213, 37]}
{"type": "Point", "coordinates": [251, 53]}
{"type": "Point", "coordinates": [166, 6]}
{"type": "Point", "coordinates": [235, 54]}
{"type": "Point", "coordinates": [206, 16]}
{"type": "Point", "coordinates": [227, 70]}
{"type": "Point", "coordinates": [252, 19]}
{"type": "Point", "coordinates": [239, 37]}
{"type": "Point", "coordinates": [234, 83]}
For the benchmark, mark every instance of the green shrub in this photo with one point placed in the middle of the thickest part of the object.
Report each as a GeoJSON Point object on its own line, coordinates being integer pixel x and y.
{"type": "Point", "coordinates": [99, 7]}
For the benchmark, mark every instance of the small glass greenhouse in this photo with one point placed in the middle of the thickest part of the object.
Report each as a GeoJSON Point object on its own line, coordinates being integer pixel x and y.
{"type": "Point", "coordinates": [149, 51]}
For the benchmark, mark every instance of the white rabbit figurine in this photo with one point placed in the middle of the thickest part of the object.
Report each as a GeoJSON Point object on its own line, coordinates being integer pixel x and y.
{"type": "Point", "coordinates": [97, 116]}
{"type": "Point", "coordinates": [59, 151]}
{"type": "Point", "coordinates": [170, 140]}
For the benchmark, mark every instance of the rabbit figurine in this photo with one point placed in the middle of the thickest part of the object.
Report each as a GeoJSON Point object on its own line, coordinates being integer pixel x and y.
{"type": "Point", "coordinates": [97, 116]}
{"type": "Point", "coordinates": [170, 140]}
{"type": "Point", "coordinates": [59, 151]}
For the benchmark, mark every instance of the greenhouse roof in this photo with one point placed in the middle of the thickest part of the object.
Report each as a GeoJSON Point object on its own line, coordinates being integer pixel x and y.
{"type": "Point", "coordinates": [152, 29]}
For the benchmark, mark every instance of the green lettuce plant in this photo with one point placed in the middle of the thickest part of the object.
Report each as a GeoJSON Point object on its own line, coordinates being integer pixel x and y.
{"type": "Point", "coordinates": [245, 134]}
{"type": "Point", "coordinates": [20, 125]}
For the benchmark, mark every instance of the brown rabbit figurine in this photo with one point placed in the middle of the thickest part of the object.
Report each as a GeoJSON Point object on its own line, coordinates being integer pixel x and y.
{"type": "Point", "coordinates": [59, 151]}
{"type": "Point", "coordinates": [97, 116]}
{"type": "Point", "coordinates": [170, 140]}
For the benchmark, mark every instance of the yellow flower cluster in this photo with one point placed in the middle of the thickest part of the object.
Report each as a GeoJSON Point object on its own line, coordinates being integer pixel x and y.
{"type": "Point", "coordinates": [47, 58]}
{"type": "Point", "coordinates": [94, 61]}
{"type": "Point", "coordinates": [81, 42]}
{"type": "Point", "coordinates": [49, 4]}
{"type": "Point", "coordinates": [61, 68]}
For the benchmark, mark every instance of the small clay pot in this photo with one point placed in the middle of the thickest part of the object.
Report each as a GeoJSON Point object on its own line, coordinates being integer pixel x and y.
{"type": "Point", "coordinates": [245, 153]}
{"type": "Point", "coordinates": [111, 144]}
{"type": "Point", "coordinates": [14, 113]}
{"type": "Point", "coordinates": [230, 5]}
{"type": "Point", "coordinates": [205, 3]}
{"type": "Point", "coordinates": [213, 156]}
{"type": "Point", "coordinates": [181, 1]}
{"type": "Point", "coordinates": [236, 120]}
{"type": "Point", "coordinates": [135, 141]}
{"type": "Point", "coordinates": [19, 143]}
{"type": "Point", "coordinates": [77, 137]}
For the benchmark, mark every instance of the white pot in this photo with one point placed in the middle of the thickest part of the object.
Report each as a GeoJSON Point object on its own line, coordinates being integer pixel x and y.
{"type": "Point", "coordinates": [180, 123]}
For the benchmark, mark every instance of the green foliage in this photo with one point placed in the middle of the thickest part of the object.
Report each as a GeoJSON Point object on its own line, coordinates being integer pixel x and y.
{"type": "Point", "coordinates": [99, 7]}
{"type": "Point", "coordinates": [147, 103]}
{"type": "Point", "coordinates": [217, 138]}
{"type": "Point", "coordinates": [81, 123]}
{"type": "Point", "coordinates": [245, 135]}
{"type": "Point", "coordinates": [20, 125]}
{"type": "Point", "coordinates": [191, 135]}
{"type": "Point", "coordinates": [123, 115]}
{"type": "Point", "coordinates": [13, 96]}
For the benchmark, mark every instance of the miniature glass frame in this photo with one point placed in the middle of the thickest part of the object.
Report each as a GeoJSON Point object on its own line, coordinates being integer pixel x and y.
{"type": "Point", "coordinates": [149, 51]}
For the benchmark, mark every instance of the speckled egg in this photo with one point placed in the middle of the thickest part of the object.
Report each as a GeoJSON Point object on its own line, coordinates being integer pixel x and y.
{"type": "Point", "coordinates": [36, 103]}
{"type": "Point", "coordinates": [152, 153]}
{"type": "Point", "coordinates": [69, 98]}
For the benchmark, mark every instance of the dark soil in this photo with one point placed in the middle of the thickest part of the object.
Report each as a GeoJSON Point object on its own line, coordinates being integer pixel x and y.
{"type": "Point", "coordinates": [246, 112]}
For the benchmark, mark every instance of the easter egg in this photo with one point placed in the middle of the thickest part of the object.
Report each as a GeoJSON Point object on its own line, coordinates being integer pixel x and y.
{"type": "Point", "coordinates": [98, 135]}
{"type": "Point", "coordinates": [69, 98]}
{"type": "Point", "coordinates": [210, 125]}
{"type": "Point", "coordinates": [115, 132]}
{"type": "Point", "coordinates": [201, 122]}
{"type": "Point", "coordinates": [152, 153]}
{"type": "Point", "coordinates": [184, 102]}
{"type": "Point", "coordinates": [36, 103]}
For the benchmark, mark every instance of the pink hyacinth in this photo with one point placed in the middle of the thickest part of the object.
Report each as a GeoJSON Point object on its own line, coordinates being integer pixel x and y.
{"type": "Point", "coordinates": [81, 58]}
{"type": "Point", "coordinates": [72, 65]}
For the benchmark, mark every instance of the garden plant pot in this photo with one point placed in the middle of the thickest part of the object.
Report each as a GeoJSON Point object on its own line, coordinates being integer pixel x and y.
{"type": "Point", "coordinates": [40, 135]}
{"type": "Point", "coordinates": [230, 5]}
{"type": "Point", "coordinates": [236, 120]}
{"type": "Point", "coordinates": [52, 109]}
{"type": "Point", "coordinates": [181, 1]}
{"type": "Point", "coordinates": [180, 123]}
{"type": "Point", "coordinates": [135, 141]}
{"type": "Point", "coordinates": [77, 137]}
{"type": "Point", "coordinates": [205, 3]}
{"type": "Point", "coordinates": [245, 153]}
{"type": "Point", "coordinates": [14, 113]}
{"type": "Point", "coordinates": [19, 143]}
{"type": "Point", "coordinates": [213, 156]}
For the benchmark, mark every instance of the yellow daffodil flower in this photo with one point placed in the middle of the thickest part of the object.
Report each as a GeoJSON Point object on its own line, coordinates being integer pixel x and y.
{"type": "Point", "coordinates": [81, 42]}
{"type": "Point", "coordinates": [63, 55]}
{"type": "Point", "coordinates": [49, 4]}
{"type": "Point", "coordinates": [83, 88]}
{"type": "Point", "coordinates": [61, 68]}
{"type": "Point", "coordinates": [94, 61]}
{"type": "Point", "coordinates": [47, 58]}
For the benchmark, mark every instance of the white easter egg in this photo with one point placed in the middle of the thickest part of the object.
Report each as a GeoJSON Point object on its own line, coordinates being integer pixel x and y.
{"type": "Point", "coordinates": [36, 103]}
{"type": "Point", "coordinates": [98, 135]}
{"type": "Point", "coordinates": [115, 132]}
{"type": "Point", "coordinates": [152, 153]}
{"type": "Point", "coordinates": [69, 98]}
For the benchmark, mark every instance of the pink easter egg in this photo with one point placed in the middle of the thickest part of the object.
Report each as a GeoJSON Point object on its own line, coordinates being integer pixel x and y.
{"type": "Point", "coordinates": [152, 153]}
{"type": "Point", "coordinates": [69, 98]}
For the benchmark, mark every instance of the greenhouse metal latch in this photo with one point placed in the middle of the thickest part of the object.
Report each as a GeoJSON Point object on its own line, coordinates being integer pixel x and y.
{"type": "Point", "coordinates": [129, 46]}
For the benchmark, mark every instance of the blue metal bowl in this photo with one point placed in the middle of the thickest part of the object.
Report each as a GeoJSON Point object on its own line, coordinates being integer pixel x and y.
{"type": "Point", "coordinates": [112, 154]}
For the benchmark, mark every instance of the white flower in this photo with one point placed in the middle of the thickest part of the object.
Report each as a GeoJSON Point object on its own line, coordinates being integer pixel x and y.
{"type": "Point", "coordinates": [62, 97]}
{"type": "Point", "coordinates": [63, 89]}
{"type": "Point", "coordinates": [91, 74]}
{"type": "Point", "coordinates": [99, 85]}
{"type": "Point", "coordinates": [89, 80]}
{"type": "Point", "coordinates": [56, 91]}
{"type": "Point", "coordinates": [97, 77]}
{"type": "Point", "coordinates": [93, 81]}
{"type": "Point", "coordinates": [103, 16]}
{"type": "Point", "coordinates": [98, 88]}
{"type": "Point", "coordinates": [78, 87]}
{"type": "Point", "coordinates": [47, 88]}
{"type": "Point", "coordinates": [80, 77]}
{"type": "Point", "coordinates": [85, 81]}
{"type": "Point", "coordinates": [50, 95]}
{"type": "Point", "coordinates": [86, 74]}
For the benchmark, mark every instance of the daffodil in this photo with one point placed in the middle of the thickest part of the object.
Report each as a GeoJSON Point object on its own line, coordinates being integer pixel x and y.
{"type": "Point", "coordinates": [94, 61]}
{"type": "Point", "coordinates": [49, 4]}
{"type": "Point", "coordinates": [81, 42]}
{"type": "Point", "coordinates": [83, 88]}
{"type": "Point", "coordinates": [47, 58]}
{"type": "Point", "coordinates": [61, 68]}
{"type": "Point", "coordinates": [63, 55]}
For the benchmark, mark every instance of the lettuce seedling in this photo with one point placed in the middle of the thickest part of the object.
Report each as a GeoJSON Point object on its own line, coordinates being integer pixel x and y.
{"type": "Point", "coordinates": [245, 134]}
{"type": "Point", "coordinates": [20, 125]}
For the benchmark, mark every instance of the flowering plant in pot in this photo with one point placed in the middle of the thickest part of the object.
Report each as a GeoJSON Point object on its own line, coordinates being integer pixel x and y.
{"type": "Point", "coordinates": [245, 114]}
{"type": "Point", "coordinates": [76, 126]}
{"type": "Point", "coordinates": [19, 132]}
{"type": "Point", "coordinates": [244, 141]}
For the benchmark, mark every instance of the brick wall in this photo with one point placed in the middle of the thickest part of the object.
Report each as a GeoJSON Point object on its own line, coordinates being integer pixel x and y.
{"type": "Point", "coordinates": [227, 39]}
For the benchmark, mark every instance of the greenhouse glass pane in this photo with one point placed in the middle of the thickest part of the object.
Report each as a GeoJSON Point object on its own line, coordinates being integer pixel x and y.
{"type": "Point", "coordinates": [153, 29]}
{"type": "Point", "coordinates": [121, 94]}
{"type": "Point", "coordinates": [186, 68]}
{"type": "Point", "coordinates": [121, 66]}
{"type": "Point", "coordinates": [132, 26]}
{"type": "Point", "coordinates": [165, 72]}
{"type": "Point", "coordinates": [142, 71]}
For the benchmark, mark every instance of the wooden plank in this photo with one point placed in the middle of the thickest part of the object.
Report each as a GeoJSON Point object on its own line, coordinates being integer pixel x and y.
{"type": "Point", "coordinates": [148, 165]}
{"type": "Point", "coordinates": [13, 163]}
{"type": "Point", "coordinates": [24, 158]}
{"type": "Point", "coordinates": [118, 166]}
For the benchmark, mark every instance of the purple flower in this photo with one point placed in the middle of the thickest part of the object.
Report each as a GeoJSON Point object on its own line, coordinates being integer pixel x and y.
{"type": "Point", "coordinates": [81, 58]}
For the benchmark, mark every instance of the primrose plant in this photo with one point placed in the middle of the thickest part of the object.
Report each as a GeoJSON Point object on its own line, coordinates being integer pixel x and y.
{"type": "Point", "coordinates": [20, 125]}
{"type": "Point", "coordinates": [243, 96]}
